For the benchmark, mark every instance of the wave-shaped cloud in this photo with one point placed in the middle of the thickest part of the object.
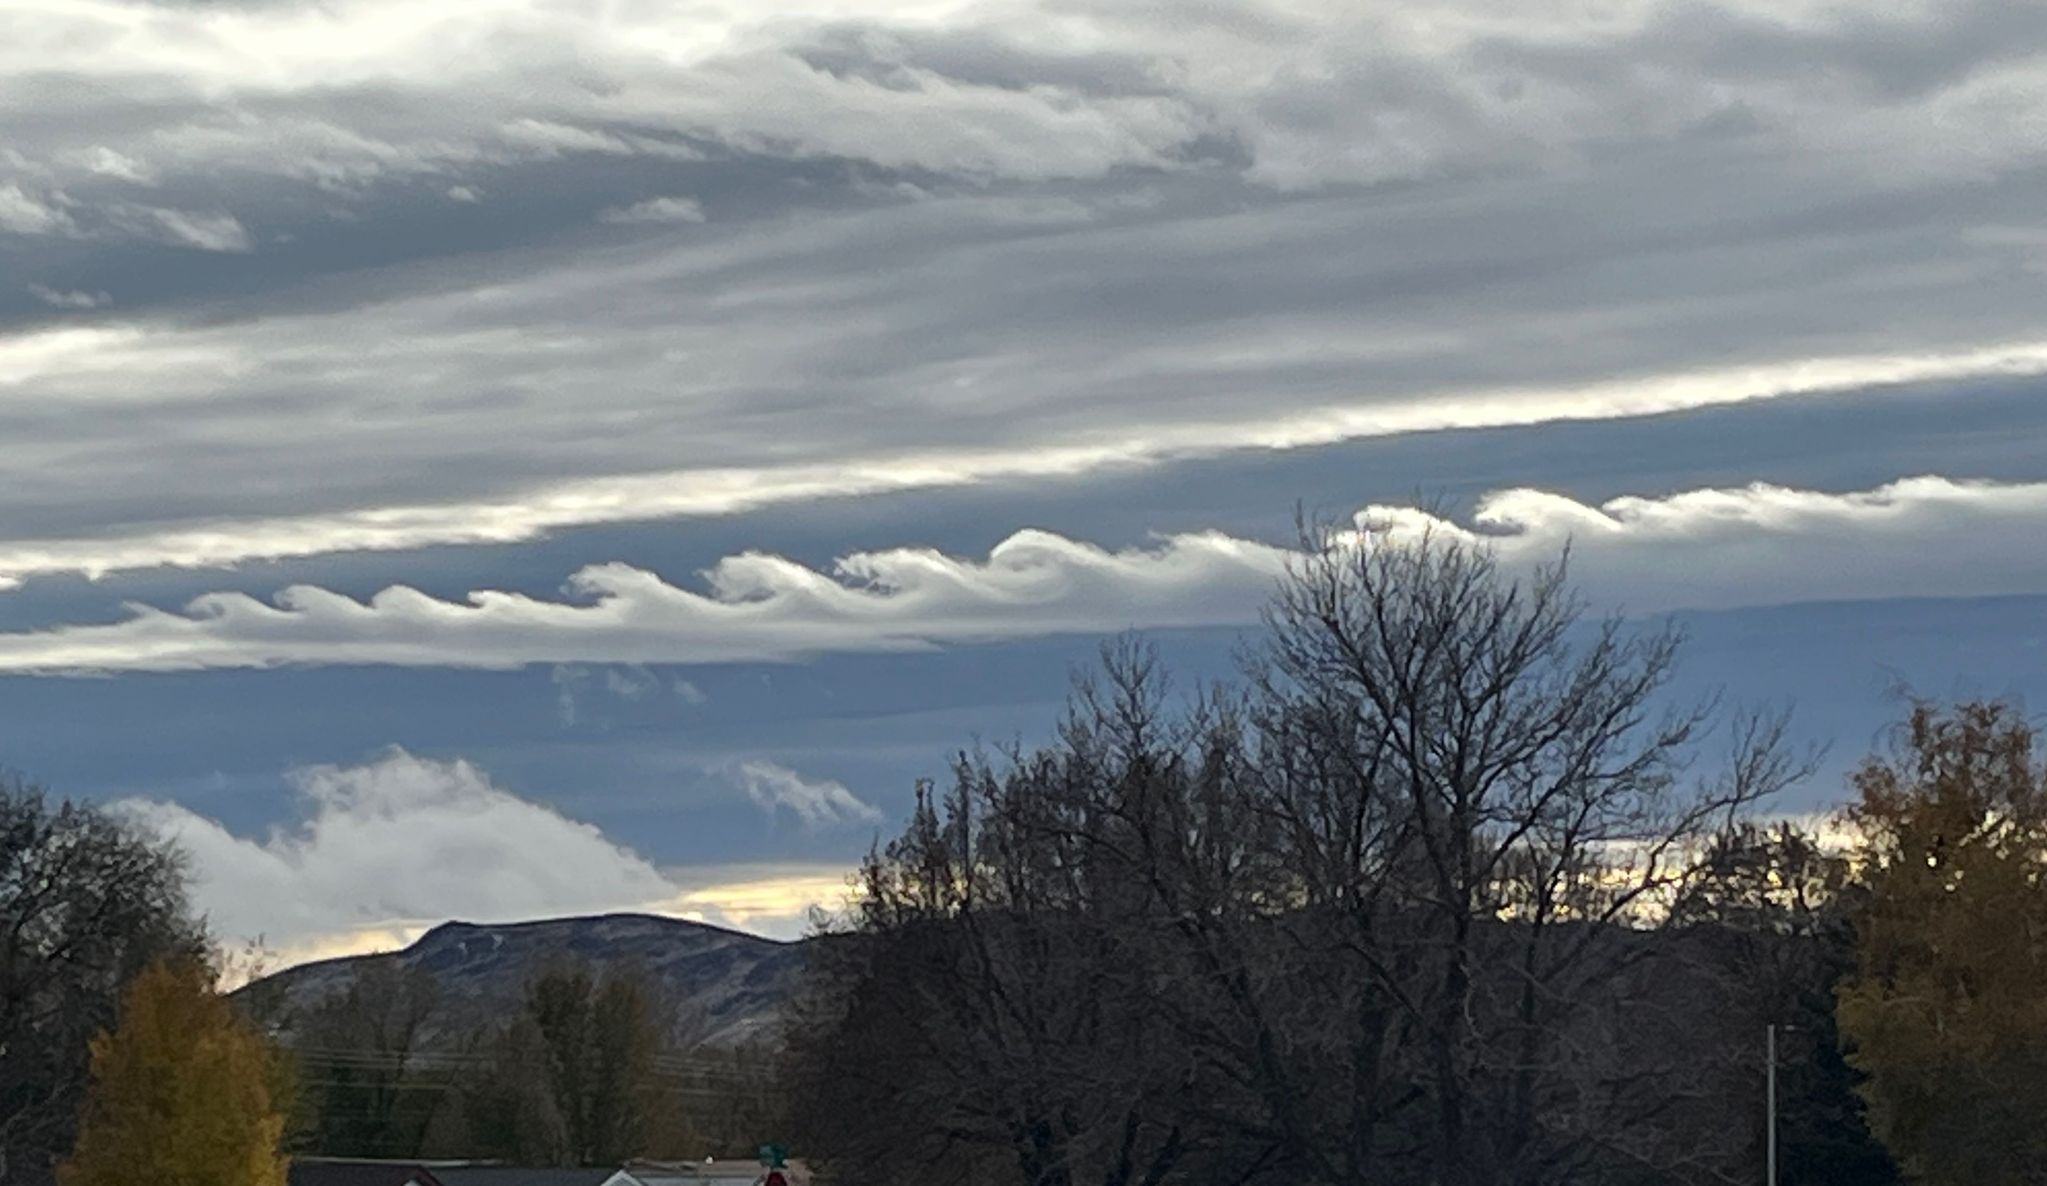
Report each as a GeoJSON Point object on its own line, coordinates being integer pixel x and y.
{"type": "Point", "coordinates": [754, 607]}
{"type": "Point", "coordinates": [1755, 545]}
{"type": "Point", "coordinates": [1769, 545]}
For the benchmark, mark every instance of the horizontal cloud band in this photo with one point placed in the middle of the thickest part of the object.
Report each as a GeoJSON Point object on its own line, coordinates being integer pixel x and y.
{"type": "Point", "coordinates": [712, 492]}
{"type": "Point", "coordinates": [1757, 545]}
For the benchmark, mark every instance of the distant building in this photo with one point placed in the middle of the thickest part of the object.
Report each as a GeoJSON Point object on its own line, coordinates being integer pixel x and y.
{"type": "Point", "coordinates": [337, 1171]}
{"type": "Point", "coordinates": [321, 1171]}
{"type": "Point", "coordinates": [707, 1173]}
{"type": "Point", "coordinates": [498, 1175]}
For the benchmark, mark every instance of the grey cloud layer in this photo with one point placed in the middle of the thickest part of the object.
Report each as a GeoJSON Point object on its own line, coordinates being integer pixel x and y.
{"type": "Point", "coordinates": [1704, 549]}
{"type": "Point", "coordinates": [720, 489]}
{"type": "Point", "coordinates": [1059, 237]}
{"type": "Point", "coordinates": [357, 92]}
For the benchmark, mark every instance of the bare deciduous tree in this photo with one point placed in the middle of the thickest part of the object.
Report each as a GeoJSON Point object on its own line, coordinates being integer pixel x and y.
{"type": "Point", "coordinates": [360, 1049]}
{"type": "Point", "coordinates": [1486, 799]}
{"type": "Point", "coordinates": [1778, 905]}
{"type": "Point", "coordinates": [1008, 1007]}
{"type": "Point", "coordinates": [573, 1079]}
{"type": "Point", "coordinates": [1396, 910]}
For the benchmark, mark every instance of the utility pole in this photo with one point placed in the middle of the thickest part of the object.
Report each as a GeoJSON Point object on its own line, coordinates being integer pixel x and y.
{"type": "Point", "coordinates": [1770, 1039]}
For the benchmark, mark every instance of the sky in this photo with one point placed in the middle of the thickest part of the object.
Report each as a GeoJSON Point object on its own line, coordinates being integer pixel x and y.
{"type": "Point", "coordinates": [530, 457]}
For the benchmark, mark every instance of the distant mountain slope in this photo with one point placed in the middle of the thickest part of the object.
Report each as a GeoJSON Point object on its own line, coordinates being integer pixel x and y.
{"type": "Point", "coordinates": [726, 985]}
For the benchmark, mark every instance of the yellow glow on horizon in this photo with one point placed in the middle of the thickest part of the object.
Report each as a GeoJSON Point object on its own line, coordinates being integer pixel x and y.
{"type": "Point", "coordinates": [774, 903]}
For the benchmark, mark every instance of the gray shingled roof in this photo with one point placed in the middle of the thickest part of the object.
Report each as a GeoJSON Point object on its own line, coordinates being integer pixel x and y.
{"type": "Point", "coordinates": [360, 1173]}
{"type": "Point", "coordinates": [518, 1176]}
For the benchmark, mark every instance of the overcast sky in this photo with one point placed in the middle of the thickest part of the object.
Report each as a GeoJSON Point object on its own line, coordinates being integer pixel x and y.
{"type": "Point", "coordinates": [517, 457]}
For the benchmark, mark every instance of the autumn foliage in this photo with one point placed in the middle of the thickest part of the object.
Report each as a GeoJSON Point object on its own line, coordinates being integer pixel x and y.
{"type": "Point", "coordinates": [184, 1093]}
{"type": "Point", "coordinates": [1945, 1012]}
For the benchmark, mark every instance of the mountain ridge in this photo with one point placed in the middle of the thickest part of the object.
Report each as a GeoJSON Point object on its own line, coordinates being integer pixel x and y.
{"type": "Point", "coordinates": [726, 986]}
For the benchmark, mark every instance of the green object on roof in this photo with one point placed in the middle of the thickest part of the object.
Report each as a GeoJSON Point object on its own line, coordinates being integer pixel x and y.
{"type": "Point", "coordinates": [774, 1157]}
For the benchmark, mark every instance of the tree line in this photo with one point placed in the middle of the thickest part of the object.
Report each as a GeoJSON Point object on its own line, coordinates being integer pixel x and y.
{"type": "Point", "coordinates": [1448, 888]}
{"type": "Point", "coordinates": [589, 1071]}
{"type": "Point", "coordinates": [123, 1062]}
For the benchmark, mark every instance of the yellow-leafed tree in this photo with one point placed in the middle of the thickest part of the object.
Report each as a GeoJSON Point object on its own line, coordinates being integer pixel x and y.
{"type": "Point", "coordinates": [184, 1093]}
{"type": "Point", "coordinates": [1944, 1012]}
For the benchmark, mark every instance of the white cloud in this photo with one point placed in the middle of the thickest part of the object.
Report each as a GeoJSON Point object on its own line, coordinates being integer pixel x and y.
{"type": "Point", "coordinates": [1703, 549]}
{"type": "Point", "coordinates": [757, 607]}
{"type": "Point", "coordinates": [657, 210]}
{"type": "Point", "coordinates": [580, 690]}
{"type": "Point", "coordinates": [69, 299]}
{"type": "Point", "coordinates": [377, 853]}
{"type": "Point", "coordinates": [23, 213]}
{"type": "Point", "coordinates": [1767, 545]}
{"type": "Point", "coordinates": [818, 803]}
{"type": "Point", "coordinates": [216, 231]}
{"type": "Point", "coordinates": [550, 139]}
{"type": "Point", "coordinates": [106, 162]}
{"type": "Point", "coordinates": [569, 680]}
{"type": "Point", "coordinates": [467, 194]}
{"type": "Point", "coordinates": [402, 840]}
{"type": "Point", "coordinates": [632, 682]}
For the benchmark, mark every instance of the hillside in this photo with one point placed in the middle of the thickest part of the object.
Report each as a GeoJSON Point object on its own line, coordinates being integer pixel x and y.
{"type": "Point", "coordinates": [727, 985]}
